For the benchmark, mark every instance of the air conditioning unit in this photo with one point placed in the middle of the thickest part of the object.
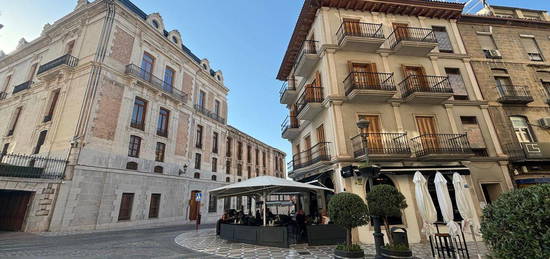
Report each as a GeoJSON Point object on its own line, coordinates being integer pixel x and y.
{"type": "Point", "coordinates": [545, 122]}
{"type": "Point", "coordinates": [494, 53]}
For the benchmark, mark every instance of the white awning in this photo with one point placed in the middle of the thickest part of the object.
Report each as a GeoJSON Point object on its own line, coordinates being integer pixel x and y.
{"type": "Point", "coordinates": [264, 184]}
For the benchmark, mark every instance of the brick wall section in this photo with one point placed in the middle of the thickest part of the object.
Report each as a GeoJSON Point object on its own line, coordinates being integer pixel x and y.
{"type": "Point", "coordinates": [182, 134]}
{"type": "Point", "coordinates": [121, 50]}
{"type": "Point", "coordinates": [106, 118]}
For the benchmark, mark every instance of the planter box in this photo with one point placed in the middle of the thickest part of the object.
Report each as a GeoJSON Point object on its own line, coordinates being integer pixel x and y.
{"type": "Point", "coordinates": [387, 253]}
{"type": "Point", "coordinates": [330, 234]}
{"type": "Point", "coordinates": [349, 254]}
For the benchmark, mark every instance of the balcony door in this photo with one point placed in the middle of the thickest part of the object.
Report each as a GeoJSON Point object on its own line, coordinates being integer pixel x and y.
{"type": "Point", "coordinates": [503, 86]}
{"type": "Point", "coordinates": [522, 129]}
{"type": "Point", "coordinates": [147, 64]}
{"type": "Point", "coordinates": [351, 26]}
{"type": "Point", "coordinates": [427, 131]}
{"type": "Point", "coordinates": [313, 90]}
{"type": "Point", "coordinates": [416, 77]}
{"type": "Point", "coordinates": [321, 140]}
{"type": "Point", "coordinates": [401, 31]}
{"type": "Point", "coordinates": [307, 143]}
{"type": "Point", "coordinates": [374, 137]}
{"type": "Point", "coordinates": [364, 75]}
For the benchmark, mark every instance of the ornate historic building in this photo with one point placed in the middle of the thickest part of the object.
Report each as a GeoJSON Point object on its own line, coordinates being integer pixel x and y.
{"type": "Point", "coordinates": [402, 66]}
{"type": "Point", "coordinates": [509, 49]}
{"type": "Point", "coordinates": [108, 119]}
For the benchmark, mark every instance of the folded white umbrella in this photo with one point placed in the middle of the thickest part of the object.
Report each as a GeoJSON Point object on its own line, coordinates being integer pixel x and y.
{"type": "Point", "coordinates": [425, 204]}
{"type": "Point", "coordinates": [463, 198]}
{"type": "Point", "coordinates": [445, 204]}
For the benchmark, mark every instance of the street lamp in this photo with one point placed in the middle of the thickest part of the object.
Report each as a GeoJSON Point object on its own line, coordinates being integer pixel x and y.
{"type": "Point", "coordinates": [363, 126]}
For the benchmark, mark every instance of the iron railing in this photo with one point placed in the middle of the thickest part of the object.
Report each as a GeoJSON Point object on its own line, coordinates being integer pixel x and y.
{"type": "Point", "coordinates": [311, 94]}
{"type": "Point", "coordinates": [430, 144]}
{"type": "Point", "coordinates": [535, 57]}
{"type": "Point", "coordinates": [290, 84]}
{"type": "Point", "coordinates": [63, 60]}
{"type": "Point", "coordinates": [21, 87]}
{"type": "Point", "coordinates": [514, 93]}
{"type": "Point", "coordinates": [423, 83]}
{"type": "Point", "coordinates": [31, 166]}
{"type": "Point", "coordinates": [319, 152]}
{"type": "Point", "coordinates": [370, 81]}
{"type": "Point", "coordinates": [290, 122]}
{"type": "Point", "coordinates": [411, 34]}
{"type": "Point", "coordinates": [521, 151]}
{"type": "Point", "coordinates": [359, 29]}
{"type": "Point", "coordinates": [208, 113]}
{"type": "Point", "coordinates": [156, 82]}
{"type": "Point", "coordinates": [3, 95]}
{"type": "Point", "coordinates": [308, 47]}
{"type": "Point", "coordinates": [380, 144]}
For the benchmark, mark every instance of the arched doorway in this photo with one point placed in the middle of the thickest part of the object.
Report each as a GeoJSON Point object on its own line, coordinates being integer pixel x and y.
{"type": "Point", "coordinates": [383, 179]}
{"type": "Point", "coordinates": [194, 205]}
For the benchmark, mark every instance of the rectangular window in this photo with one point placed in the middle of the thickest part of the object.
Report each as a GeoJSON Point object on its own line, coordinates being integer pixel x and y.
{"type": "Point", "coordinates": [263, 159]}
{"type": "Point", "coordinates": [214, 165]}
{"type": "Point", "coordinates": [32, 71]}
{"type": "Point", "coordinates": [217, 107]}
{"type": "Point", "coordinates": [249, 171]}
{"type": "Point", "coordinates": [487, 44]}
{"type": "Point", "coordinates": [248, 154]}
{"type": "Point", "coordinates": [159, 152]}
{"type": "Point", "coordinates": [198, 141]}
{"type": "Point", "coordinates": [147, 65]}
{"type": "Point", "coordinates": [239, 169]}
{"type": "Point", "coordinates": [239, 150]}
{"type": "Point", "coordinates": [475, 137]}
{"type": "Point", "coordinates": [228, 167]}
{"type": "Point", "coordinates": [215, 143]}
{"type": "Point", "coordinates": [162, 124]}
{"type": "Point", "coordinates": [533, 51]}
{"type": "Point", "coordinates": [14, 120]}
{"type": "Point", "coordinates": [457, 83]}
{"type": "Point", "coordinates": [154, 206]}
{"type": "Point", "coordinates": [126, 202]}
{"type": "Point", "coordinates": [168, 79]}
{"type": "Point", "coordinates": [40, 141]}
{"type": "Point", "coordinates": [138, 114]}
{"type": "Point", "coordinates": [228, 144]}
{"type": "Point", "coordinates": [51, 109]}
{"type": "Point", "coordinates": [202, 99]}
{"type": "Point", "coordinates": [257, 156]}
{"type": "Point", "coordinates": [134, 146]}
{"type": "Point", "coordinates": [443, 40]}
{"type": "Point", "coordinates": [197, 161]}
{"type": "Point", "coordinates": [212, 204]}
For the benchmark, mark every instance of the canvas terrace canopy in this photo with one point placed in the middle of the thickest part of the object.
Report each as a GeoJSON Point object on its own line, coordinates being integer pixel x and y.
{"type": "Point", "coordinates": [262, 185]}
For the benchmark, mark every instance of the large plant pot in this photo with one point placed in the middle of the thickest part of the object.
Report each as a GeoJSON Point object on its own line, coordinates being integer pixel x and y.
{"type": "Point", "coordinates": [349, 254]}
{"type": "Point", "coordinates": [388, 253]}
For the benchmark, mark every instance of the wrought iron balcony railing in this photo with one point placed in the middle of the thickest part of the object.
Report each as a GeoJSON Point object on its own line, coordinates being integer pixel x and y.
{"type": "Point", "coordinates": [423, 83]}
{"type": "Point", "coordinates": [527, 151]}
{"type": "Point", "coordinates": [308, 47]}
{"type": "Point", "coordinates": [319, 152]}
{"type": "Point", "coordinates": [31, 166]}
{"type": "Point", "coordinates": [514, 94]}
{"type": "Point", "coordinates": [369, 81]}
{"type": "Point", "coordinates": [290, 122]}
{"type": "Point", "coordinates": [287, 85]}
{"type": "Point", "coordinates": [156, 82]}
{"type": "Point", "coordinates": [380, 144]}
{"type": "Point", "coordinates": [63, 60]}
{"type": "Point", "coordinates": [208, 113]}
{"type": "Point", "coordinates": [21, 87]}
{"type": "Point", "coordinates": [311, 94]}
{"type": "Point", "coordinates": [440, 144]}
{"type": "Point", "coordinates": [400, 34]}
{"type": "Point", "coordinates": [359, 29]}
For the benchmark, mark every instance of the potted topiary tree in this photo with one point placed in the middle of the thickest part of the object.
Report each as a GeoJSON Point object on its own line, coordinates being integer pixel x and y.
{"type": "Point", "coordinates": [386, 201]}
{"type": "Point", "coordinates": [516, 224]}
{"type": "Point", "coordinates": [349, 211]}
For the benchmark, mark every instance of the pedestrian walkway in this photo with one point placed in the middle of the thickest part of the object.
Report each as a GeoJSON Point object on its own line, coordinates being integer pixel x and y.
{"type": "Point", "coordinates": [207, 242]}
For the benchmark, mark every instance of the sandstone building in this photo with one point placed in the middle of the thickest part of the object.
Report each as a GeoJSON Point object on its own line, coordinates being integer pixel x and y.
{"type": "Point", "coordinates": [509, 50]}
{"type": "Point", "coordinates": [108, 119]}
{"type": "Point", "coordinates": [402, 66]}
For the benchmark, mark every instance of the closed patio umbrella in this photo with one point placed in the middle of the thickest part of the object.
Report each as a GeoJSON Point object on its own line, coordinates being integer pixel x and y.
{"type": "Point", "coordinates": [446, 206]}
{"type": "Point", "coordinates": [463, 199]}
{"type": "Point", "coordinates": [425, 204]}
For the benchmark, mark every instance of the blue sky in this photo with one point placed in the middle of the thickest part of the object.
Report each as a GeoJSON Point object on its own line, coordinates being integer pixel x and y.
{"type": "Point", "coordinates": [245, 38]}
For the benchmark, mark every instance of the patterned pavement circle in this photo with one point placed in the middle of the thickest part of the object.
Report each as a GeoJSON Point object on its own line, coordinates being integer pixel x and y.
{"type": "Point", "coordinates": [206, 241]}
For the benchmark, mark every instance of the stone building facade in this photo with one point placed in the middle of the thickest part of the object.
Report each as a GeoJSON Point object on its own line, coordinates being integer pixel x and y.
{"type": "Point", "coordinates": [509, 50]}
{"type": "Point", "coordinates": [402, 66]}
{"type": "Point", "coordinates": [108, 119]}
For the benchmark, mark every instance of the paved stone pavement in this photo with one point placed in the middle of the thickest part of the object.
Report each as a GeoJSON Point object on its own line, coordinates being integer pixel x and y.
{"type": "Point", "coordinates": [206, 241]}
{"type": "Point", "coordinates": [157, 242]}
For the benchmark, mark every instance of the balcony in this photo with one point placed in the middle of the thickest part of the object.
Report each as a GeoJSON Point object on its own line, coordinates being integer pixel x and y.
{"type": "Point", "coordinates": [426, 89]}
{"type": "Point", "coordinates": [441, 146]}
{"type": "Point", "coordinates": [21, 87]}
{"type": "Point", "coordinates": [31, 166]}
{"type": "Point", "coordinates": [307, 59]}
{"type": "Point", "coordinates": [528, 151]}
{"type": "Point", "coordinates": [381, 146]}
{"type": "Point", "coordinates": [147, 78]}
{"type": "Point", "coordinates": [309, 102]}
{"type": "Point", "coordinates": [288, 92]}
{"type": "Point", "coordinates": [315, 155]}
{"type": "Point", "coordinates": [410, 41]}
{"type": "Point", "coordinates": [201, 109]}
{"type": "Point", "coordinates": [358, 36]}
{"type": "Point", "coordinates": [290, 128]}
{"type": "Point", "coordinates": [52, 68]}
{"type": "Point", "coordinates": [512, 94]}
{"type": "Point", "coordinates": [369, 86]}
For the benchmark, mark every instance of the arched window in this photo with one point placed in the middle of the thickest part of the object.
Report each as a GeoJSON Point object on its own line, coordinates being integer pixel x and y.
{"type": "Point", "coordinates": [227, 179]}
{"type": "Point", "coordinates": [522, 129]}
{"type": "Point", "coordinates": [155, 24]}
{"type": "Point", "coordinates": [214, 178]}
{"type": "Point", "coordinates": [197, 175]}
{"type": "Point", "coordinates": [175, 39]}
{"type": "Point", "coordinates": [383, 179]}
{"type": "Point", "coordinates": [158, 169]}
{"type": "Point", "coordinates": [132, 165]}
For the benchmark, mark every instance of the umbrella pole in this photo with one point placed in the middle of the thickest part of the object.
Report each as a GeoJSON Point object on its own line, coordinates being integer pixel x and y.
{"type": "Point", "coordinates": [475, 241]}
{"type": "Point", "coordinates": [264, 209]}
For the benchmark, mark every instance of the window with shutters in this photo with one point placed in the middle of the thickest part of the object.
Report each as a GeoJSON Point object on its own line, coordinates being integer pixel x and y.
{"type": "Point", "coordinates": [40, 141]}
{"type": "Point", "coordinates": [457, 83]}
{"type": "Point", "coordinates": [14, 120]}
{"type": "Point", "coordinates": [533, 51]}
{"type": "Point", "coordinates": [134, 146]}
{"type": "Point", "coordinates": [443, 40]}
{"type": "Point", "coordinates": [154, 206]}
{"type": "Point", "coordinates": [126, 203]}
{"type": "Point", "coordinates": [138, 114]}
{"type": "Point", "coordinates": [51, 106]}
{"type": "Point", "coordinates": [212, 204]}
{"type": "Point", "coordinates": [159, 152]}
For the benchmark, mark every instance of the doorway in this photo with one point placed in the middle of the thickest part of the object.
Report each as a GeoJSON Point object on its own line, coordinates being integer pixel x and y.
{"type": "Point", "coordinates": [194, 205]}
{"type": "Point", "coordinates": [13, 209]}
{"type": "Point", "coordinates": [491, 191]}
